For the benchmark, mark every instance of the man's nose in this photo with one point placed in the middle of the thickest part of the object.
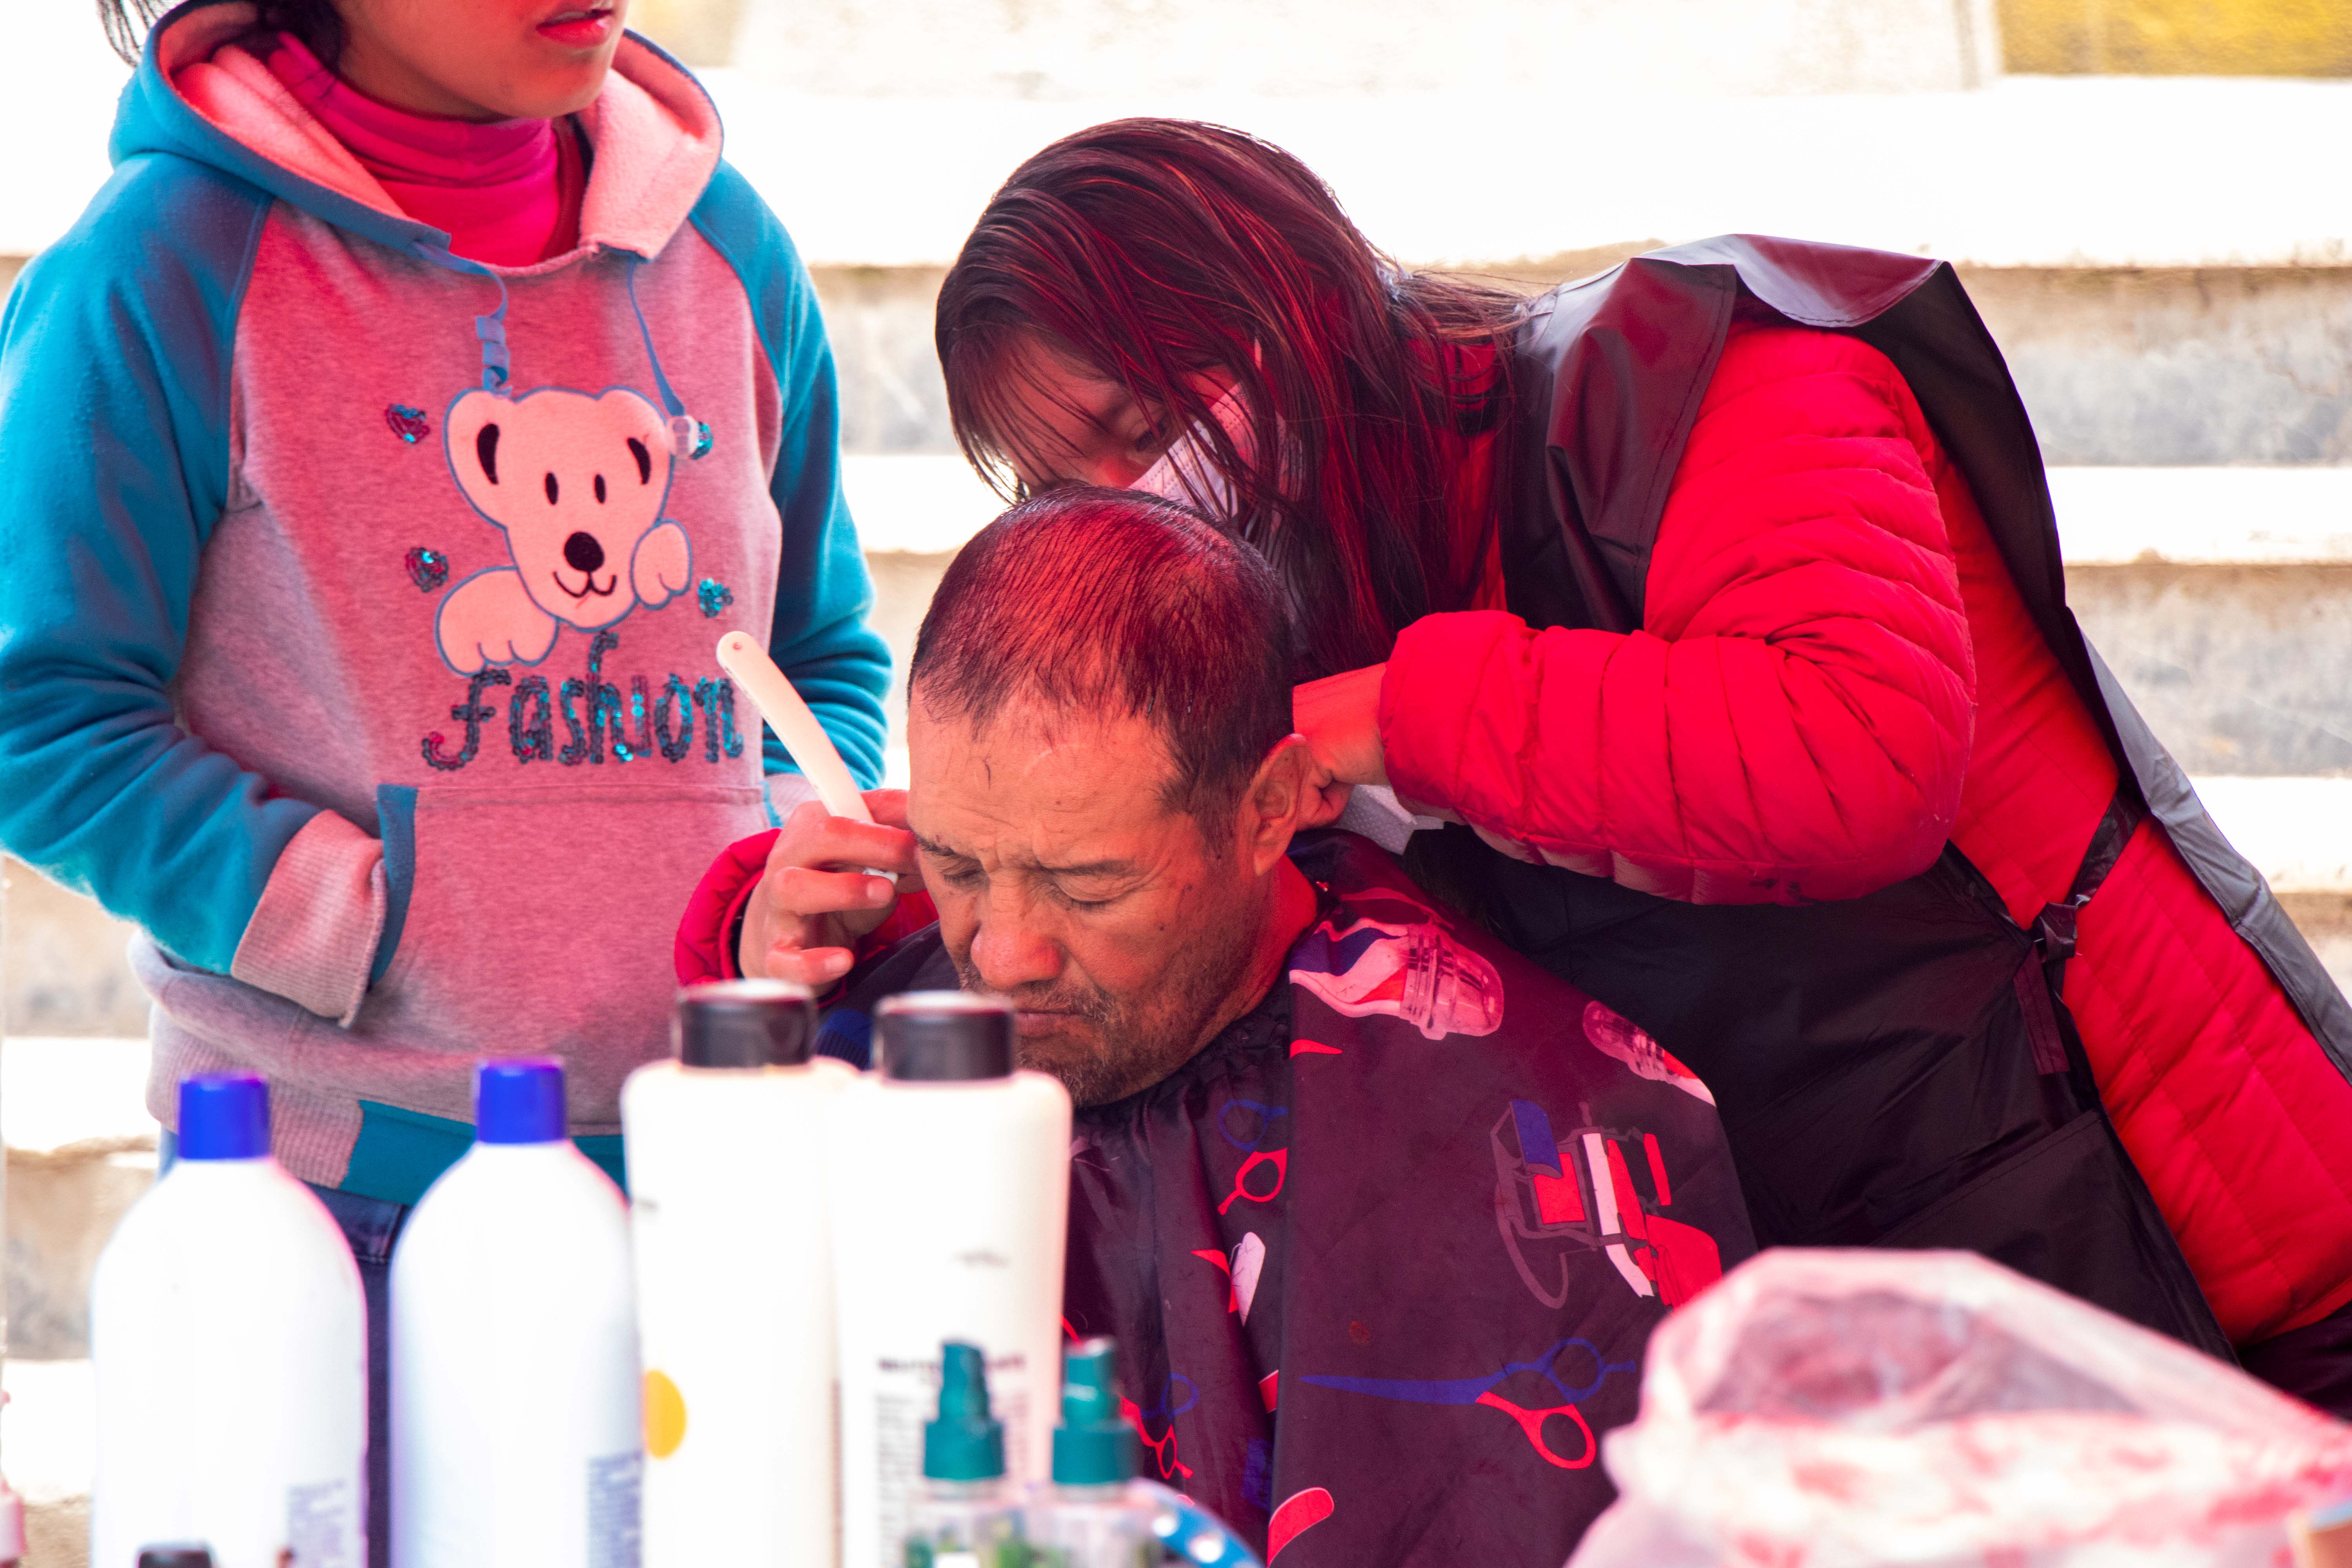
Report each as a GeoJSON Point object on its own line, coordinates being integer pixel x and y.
{"type": "Point", "coordinates": [1010, 953]}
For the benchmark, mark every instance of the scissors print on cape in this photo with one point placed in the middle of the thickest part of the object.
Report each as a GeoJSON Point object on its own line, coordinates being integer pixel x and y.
{"type": "Point", "coordinates": [1481, 1391]}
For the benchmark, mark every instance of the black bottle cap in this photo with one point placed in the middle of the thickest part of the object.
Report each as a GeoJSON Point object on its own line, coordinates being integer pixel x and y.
{"type": "Point", "coordinates": [944, 1037]}
{"type": "Point", "coordinates": [176, 1557]}
{"type": "Point", "coordinates": [745, 1023]}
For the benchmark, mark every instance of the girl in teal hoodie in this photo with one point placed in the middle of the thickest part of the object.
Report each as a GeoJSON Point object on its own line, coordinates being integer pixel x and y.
{"type": "Point", "coordinates": [382, 456]}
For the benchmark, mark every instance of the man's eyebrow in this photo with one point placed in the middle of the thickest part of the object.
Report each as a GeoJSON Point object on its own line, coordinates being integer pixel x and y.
{"type": "Point", "coordinates": [1077, 868]}
{"type": "Point", "coordinates": [1083, 868]}
{"type": "Point", "coordinates": [931, 847]}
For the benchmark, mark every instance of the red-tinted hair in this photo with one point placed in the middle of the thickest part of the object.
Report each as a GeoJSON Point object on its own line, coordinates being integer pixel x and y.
{"type": "Point", "coordinates": [1155, 250]}
{"type": "Point", "coordinates": [1114, 601]}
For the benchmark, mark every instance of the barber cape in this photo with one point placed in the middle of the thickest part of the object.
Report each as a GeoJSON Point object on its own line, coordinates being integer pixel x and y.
{"type": "Point", "coordinates": [1382, 1257]}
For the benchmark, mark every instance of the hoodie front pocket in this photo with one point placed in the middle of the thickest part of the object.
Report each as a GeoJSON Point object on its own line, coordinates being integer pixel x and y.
{"type": "Point", "coordinates": [395, 819]}
{"type": "Point", "coordinates": [540, 921]}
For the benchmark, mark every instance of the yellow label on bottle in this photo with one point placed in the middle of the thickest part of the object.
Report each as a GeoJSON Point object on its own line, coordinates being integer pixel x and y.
{"type": "Point", "coordinates": [665, 1409]}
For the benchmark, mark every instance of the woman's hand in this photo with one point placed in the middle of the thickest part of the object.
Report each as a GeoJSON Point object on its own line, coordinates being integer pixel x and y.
{"type": "Point", "coordinates": [1340, 717]}
{"type": "Point", "coordinates": [816, 898]}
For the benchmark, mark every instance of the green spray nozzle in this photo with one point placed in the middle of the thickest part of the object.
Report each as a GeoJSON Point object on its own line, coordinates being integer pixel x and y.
{"type": "Point", "coordinates": [966, 1443]}
{"type": "Point", "coordinates": [1094, 1445]}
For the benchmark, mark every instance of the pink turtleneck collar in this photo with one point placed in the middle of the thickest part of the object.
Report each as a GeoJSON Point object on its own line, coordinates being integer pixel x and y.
{"type": "Point", "coordinates": [506, 193]}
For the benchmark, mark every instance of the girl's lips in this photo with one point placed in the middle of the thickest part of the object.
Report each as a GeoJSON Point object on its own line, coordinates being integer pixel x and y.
{"type": "Point", "coordinates": [582, 28]}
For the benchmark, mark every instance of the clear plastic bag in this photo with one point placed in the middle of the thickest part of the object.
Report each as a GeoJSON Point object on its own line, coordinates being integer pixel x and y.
{"type": "Point", "coordinates": [1843, 1409]}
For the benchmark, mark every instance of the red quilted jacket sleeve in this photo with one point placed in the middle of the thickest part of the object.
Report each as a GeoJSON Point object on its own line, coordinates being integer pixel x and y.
{"type": "Point", "coordinates": [1793, 720]}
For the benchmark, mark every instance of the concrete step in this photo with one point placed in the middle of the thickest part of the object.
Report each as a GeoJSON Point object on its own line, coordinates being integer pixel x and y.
{"type": "Point", "coordinates": [2203, 516]}
{"type": "Point", "coordinates": [1058, 49]}
{"type": "Point", "coordinates": [2119, 367]}
{"type": "Point", "coordinates": [2027, 171]}
{"type": "Point", "coordinates": [2222, 599]}
{"type": "Point", "coordinates": [2186, 172]}
{"type": "Point", "coordinates": [80, 1149]}
{"type": "Point", "coordinates": [2182, 298]}
{"type": "Point", "coordinates": [2177, 294]}
{"type": "Point", "coordinates": [928, 504]}
{"type": "Point", "coordinates": [48, 1448]}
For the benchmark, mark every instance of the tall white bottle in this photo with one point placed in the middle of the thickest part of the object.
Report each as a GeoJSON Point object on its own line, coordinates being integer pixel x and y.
{"type": "Point", "coordinates": [950, 1188]}
{"type": "Point", "coordinates": [229, 1334]}
{"type": "Point", "coordinates": [514, 1355]}
{"type": "Point", "coordinates": [726, 1166]}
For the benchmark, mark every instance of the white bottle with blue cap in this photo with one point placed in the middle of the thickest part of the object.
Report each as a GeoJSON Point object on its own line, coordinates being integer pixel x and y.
{"type": "Point", "coordinates": [229, 1337]}
{"type": "Point", "coordinates": [514, 1437]}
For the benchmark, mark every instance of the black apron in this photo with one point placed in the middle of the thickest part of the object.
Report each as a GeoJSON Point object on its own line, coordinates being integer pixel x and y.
{"type": "Point", "coordinates": [1894, 1071]}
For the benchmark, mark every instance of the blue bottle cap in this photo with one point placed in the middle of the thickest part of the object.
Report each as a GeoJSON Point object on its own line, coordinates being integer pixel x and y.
{"type": "Point", "coordinates": [224, 1116]}
{"type": "Point", "coordinates": [518, 1099]}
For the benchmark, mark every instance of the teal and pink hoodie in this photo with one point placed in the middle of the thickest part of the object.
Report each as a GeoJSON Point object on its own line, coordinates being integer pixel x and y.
{"type": "Point", "coordinates": [358, 600]}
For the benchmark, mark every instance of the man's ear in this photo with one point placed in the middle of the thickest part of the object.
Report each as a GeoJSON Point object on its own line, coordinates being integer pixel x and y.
{"type": "Point", "coordinates": [1274, 805]}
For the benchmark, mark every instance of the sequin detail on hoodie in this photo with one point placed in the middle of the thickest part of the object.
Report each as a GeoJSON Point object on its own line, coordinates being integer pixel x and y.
{"type": "Point", "coordinates": [603, 719]}
{"type": "Point", "coordinates": [428, 569]}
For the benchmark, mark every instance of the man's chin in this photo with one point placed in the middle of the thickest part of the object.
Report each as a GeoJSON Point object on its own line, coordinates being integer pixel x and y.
{"type": "Point", "coordinates": [1070, 1048]}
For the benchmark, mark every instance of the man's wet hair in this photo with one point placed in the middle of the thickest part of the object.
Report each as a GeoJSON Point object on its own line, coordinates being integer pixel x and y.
{"type": "Point", "coordinates": [1104, 601]}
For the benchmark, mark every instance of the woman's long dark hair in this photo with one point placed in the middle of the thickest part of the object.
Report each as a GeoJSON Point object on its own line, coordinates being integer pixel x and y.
{"type": "Point", "coordinates": [315, 21]}
{"type": "Point", "coordinates": [1154, 251]}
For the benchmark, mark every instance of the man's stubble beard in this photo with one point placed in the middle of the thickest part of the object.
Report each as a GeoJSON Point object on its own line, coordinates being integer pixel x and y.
{"type": "Point", "coordinates": [1140, 1044]}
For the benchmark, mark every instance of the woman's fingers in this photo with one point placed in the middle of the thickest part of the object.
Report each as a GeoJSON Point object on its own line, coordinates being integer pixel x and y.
{"type": "Point", "coordinates": [820, 893]}
{"type": "Point", "coordinates": [1324, 798]}
{"type": "Point", "coordinates": [814, 836]}
{"type": "Point", "coordinates": [814, 967]}
{"type": "Point", "coordinates": [804, 893]}
{"type": "Point", "coordinates": [799, 913]}
{"type": "Point", "coordinates": [1340, 717]}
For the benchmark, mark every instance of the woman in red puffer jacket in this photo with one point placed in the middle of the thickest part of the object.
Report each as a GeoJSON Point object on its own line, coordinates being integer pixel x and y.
{"type": "Point", "coordinates": [1715, 605]}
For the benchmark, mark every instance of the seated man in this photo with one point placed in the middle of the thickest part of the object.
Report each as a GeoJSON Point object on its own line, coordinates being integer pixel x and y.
{"type": "Point", "coordinates": [1347, 1170]}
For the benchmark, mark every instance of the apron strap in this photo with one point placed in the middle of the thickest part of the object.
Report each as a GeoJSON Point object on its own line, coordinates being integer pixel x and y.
{"type": "Point", "coordinates": [2040, 983]}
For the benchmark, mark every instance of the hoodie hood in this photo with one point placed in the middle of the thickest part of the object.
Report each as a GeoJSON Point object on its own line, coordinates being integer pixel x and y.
{"type": "Point", "coordinates": [199, 94]}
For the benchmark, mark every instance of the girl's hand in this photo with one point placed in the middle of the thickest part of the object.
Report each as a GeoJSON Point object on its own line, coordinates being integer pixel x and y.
{"type": "Point", "coordinates": [816, 897]}
{"type": "Point", "coordinates": [1340, 717]}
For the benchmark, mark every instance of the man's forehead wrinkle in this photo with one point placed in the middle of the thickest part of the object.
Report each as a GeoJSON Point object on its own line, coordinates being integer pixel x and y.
{"type": "Point", "coordinates": [1091, 716]}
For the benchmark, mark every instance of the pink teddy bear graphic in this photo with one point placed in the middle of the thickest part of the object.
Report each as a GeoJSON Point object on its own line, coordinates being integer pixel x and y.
{"type": "Point", "coordinates": [576, 482]}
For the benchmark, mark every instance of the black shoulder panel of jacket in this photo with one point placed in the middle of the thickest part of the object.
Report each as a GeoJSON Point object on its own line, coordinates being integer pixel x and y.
{"type": "Point", "coordinates": [1617, 365]}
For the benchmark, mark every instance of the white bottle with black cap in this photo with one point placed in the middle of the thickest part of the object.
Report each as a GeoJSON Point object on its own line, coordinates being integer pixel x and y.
{"type": "Point", "coordinates": [727, 1164]}
{"type": "Point", "coordinates": [229, 1338]}
{"type": "Point", "coordinates": [515, 1434]}
{"type": "Point", "coordinates": [950, 1188]}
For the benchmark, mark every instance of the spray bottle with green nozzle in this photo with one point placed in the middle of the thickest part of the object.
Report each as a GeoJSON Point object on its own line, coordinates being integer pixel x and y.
{"type": "Point", "coordinates": [966, 1516]}
{"type": "Point", "coordinates": [1093, 1516]}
